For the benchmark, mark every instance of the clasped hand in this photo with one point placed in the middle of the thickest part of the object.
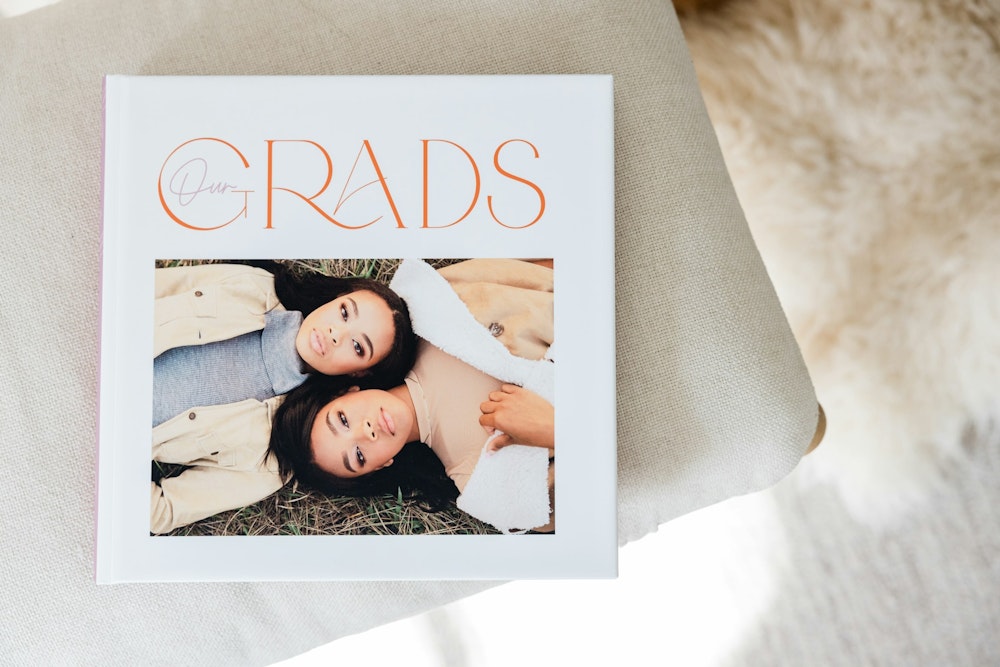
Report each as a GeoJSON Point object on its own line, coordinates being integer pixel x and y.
{"type": "Point", "coordinates": [522, 416]}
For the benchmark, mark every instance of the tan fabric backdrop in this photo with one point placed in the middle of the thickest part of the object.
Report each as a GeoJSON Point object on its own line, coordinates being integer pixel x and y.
{"type": "Point", "coordinates": [713, 397]}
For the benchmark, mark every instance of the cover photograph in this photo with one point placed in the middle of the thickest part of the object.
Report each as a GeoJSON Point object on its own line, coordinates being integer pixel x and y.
{"type": "Point", "coordinates": [347, 322]}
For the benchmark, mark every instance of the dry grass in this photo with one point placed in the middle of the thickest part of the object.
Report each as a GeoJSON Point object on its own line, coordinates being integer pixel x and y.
{"type": "Point", "coordinates": [296, 511]}
{"type": "Point", "coordinates": [292, 511]}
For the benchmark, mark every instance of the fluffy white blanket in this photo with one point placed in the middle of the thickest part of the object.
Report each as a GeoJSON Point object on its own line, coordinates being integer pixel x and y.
{"type": "Point", "coordinates": [864, 142]}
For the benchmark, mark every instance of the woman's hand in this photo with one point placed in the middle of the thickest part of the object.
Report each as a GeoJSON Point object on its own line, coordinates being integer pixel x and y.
{"type": "Point", "coordinates": [523, 417]}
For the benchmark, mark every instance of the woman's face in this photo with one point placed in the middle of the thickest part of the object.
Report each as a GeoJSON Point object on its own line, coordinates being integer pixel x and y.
{"type": "Point", "coordinates": [346, 336]}
{"type": "Point", "coordinates": [360, 432]}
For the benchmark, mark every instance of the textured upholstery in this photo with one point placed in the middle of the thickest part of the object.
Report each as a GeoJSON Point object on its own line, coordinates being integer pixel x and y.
{"type": "Point", "coordinates": [714, 399]}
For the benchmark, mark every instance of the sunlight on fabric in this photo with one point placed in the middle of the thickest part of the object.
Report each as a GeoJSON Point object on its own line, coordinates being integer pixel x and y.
{"type": "Point", "coordinates": [687, 594]}
{"type": "Point", "coordinates": [18, 7]}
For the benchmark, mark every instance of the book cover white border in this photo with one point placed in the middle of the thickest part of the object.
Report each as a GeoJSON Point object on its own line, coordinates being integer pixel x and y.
{"type": "Point", "coordinates": [567, 119]}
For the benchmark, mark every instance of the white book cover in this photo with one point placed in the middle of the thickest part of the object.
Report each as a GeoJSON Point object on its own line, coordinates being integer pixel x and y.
{"type": "Point", "coordinates": [347, 320]}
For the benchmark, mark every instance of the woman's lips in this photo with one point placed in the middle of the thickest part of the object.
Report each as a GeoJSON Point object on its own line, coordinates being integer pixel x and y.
{"type": "Point", "coordinates": [316, 343]}
{"type": "Point", "coordinates": [386, 422]}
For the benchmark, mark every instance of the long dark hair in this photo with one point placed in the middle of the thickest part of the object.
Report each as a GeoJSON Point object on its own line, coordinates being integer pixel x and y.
{"type": "Point", "coordinates": [416, 471]}
{"type": "Point", "coordinates": [305, 291]}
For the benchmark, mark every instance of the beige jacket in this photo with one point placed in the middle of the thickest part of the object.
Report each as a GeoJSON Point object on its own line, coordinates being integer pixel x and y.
{"type": "Point", "coordinates": [225, 446]}
{"type": "Point", "coordinates": [204, 304]}
{"type": "Point", "coordinates": [511, 298]}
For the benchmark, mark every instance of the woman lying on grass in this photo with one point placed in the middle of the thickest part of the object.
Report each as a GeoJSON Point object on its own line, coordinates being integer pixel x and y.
{"type": "Point", "coordinates": [233, 339]}
{"type": "Point", "coordinates": [368, 443]}
{"type": "Point", "coordinates": [423, 437]}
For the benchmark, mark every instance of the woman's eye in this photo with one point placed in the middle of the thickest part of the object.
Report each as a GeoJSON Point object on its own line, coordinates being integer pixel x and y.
{"type": "Point", "coordinates": [343, 312]}
{"type": "Point", "coordinates": [343, 419]}
{"type": "Point", "coordinates": [358, 350]}
{"type": "Point", "coordinates": [361, 457]}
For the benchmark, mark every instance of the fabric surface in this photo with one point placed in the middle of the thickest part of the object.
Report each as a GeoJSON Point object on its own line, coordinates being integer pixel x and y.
{"type": "Point", "coordinates": [714, 399]}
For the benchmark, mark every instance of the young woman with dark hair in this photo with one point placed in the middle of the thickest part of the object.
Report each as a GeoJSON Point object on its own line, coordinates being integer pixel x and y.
{"type": "Point", "coordinates": [228, 332]}
{"type": "Point", "coordinates": [307, 292]}
{"type": "Point", "coordinates": [423, 437]}
{"type": "Point", "coordinates": [463, 382]}
{"type": "Point", "coordinates": [233, 338]}
{"type": "Point", "coordinates": [413, 469]}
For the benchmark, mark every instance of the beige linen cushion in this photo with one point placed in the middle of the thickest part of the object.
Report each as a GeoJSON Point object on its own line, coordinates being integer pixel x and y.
{"type": "Point", "coordinates": [714, 399]}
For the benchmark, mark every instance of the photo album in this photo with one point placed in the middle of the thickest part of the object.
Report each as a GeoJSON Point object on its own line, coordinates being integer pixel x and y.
{"type": "Point", "coordinates": [345, 323]}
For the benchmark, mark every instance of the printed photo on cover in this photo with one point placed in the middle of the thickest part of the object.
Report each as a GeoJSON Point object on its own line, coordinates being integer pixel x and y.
{"type": "Point", "coordinates": [353, 397]}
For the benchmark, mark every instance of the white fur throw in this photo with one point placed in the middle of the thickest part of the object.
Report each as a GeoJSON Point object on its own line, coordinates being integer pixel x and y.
{"type": "Point", "coordinates": [864, 142]}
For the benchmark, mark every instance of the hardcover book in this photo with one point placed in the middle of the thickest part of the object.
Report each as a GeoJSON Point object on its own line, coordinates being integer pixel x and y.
{"type": "Point", "coordinates": [347, 320]}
